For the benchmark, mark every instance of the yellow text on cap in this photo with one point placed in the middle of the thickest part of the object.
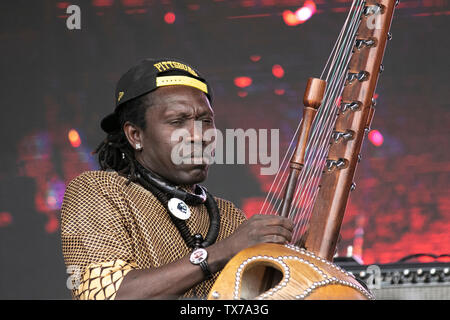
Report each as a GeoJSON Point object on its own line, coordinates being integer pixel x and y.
{"type": "Point", "coordinates": [170, 65]}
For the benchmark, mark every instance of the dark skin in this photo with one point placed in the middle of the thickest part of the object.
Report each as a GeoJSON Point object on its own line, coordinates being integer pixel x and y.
{"type": "Point", "coordinates": [177, 107]}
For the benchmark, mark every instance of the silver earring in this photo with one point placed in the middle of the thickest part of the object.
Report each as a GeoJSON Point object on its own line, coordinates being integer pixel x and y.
{"type": "Point", "coordinates": [138, 146]}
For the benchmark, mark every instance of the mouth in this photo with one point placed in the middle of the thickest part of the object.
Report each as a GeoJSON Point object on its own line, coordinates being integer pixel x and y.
{"type": "Point", "coordinates": [194, 159]}
{"type": "Point", "coordinates": [198, 157]}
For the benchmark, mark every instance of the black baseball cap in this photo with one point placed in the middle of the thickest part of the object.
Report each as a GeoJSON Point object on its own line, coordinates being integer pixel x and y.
{"type": "Point", "coordinates": [148, 75]}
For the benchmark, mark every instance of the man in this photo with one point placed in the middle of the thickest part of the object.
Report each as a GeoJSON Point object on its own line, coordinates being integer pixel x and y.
{"type": "Point", "coordinates": [142, 227]}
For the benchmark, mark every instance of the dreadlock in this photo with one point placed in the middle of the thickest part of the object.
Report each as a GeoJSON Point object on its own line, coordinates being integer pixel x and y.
{"type": "Point", "coordinates": [115, 152]}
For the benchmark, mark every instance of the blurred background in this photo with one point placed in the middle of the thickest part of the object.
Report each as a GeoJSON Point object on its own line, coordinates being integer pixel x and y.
{"type": "Point", "coordinates": [57, 83]}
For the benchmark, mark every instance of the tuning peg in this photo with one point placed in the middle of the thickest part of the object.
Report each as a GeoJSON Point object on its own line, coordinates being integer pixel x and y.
{"type": "Point", "coordinates": [347, 135]}
{"type": "Point", "coordinates": [359, 43]}
{"type": "Point", "coordinates": [353, 106]}
{"type": "Point", "coordinates": [372, 9]}
{"type": "Point", "coordinates": [360, 76]}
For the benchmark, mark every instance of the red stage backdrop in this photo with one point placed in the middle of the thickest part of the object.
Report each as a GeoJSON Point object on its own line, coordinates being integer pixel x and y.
{"type": "Point", "coordinates": [58, 80]}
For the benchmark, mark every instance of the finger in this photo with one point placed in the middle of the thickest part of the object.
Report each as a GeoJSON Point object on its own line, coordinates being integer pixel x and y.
{"type": "Point", "coordinates": [258, 217]}
{"type": "Point", "coordinates": [278, 231]}
{"type": "Point", "coordinates": [273, 238]}
{"type": "Point", "coordinates": [280, 221]}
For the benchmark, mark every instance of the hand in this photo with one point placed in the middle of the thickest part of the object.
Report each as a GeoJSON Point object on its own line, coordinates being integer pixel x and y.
{"type": "Point", "coordinates": [260, 229]}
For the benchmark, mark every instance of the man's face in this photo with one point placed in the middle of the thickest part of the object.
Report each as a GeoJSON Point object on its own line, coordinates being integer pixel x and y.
{"type": "Point", "coordinates": [175, 108]}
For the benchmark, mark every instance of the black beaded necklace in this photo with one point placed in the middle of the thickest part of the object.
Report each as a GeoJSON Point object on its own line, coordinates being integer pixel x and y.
{"type": "Point", "coordinates": [164, 191]}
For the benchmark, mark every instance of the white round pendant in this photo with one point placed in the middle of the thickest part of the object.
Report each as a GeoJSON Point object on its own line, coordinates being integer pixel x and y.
{"type": "Point", "coordinates": [179, 209]}
{"type": "Point", "coordinates": [198, 256]}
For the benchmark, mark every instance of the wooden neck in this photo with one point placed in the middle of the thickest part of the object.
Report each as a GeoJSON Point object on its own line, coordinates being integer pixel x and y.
{"type": "Point", "coordinates": [312, 99]}
{"type": "Point", "coordinates": [337, 180]}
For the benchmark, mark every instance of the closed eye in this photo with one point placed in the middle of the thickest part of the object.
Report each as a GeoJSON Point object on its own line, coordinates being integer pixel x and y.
{"type": "Point", "coordinates": [177, 122]}
{"type": "Point", "coordinates": [208, 120]}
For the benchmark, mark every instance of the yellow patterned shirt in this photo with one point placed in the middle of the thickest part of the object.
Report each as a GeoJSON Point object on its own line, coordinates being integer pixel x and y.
{"type": "Point", "coordinates": [109, 228]}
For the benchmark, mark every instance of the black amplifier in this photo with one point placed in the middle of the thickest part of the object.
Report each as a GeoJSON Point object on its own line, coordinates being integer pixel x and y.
{"type": "Point", "coordinates": [402, 281]}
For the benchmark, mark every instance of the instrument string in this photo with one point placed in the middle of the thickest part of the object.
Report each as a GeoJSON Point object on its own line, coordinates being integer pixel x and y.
{"type": "Point", "coordinates": [307, 172]}
{"type": "Point", "coordinates": [328, 98]}
{"type": "Point", "coordinates": [311, 188]}
{"type": "Point", "coordinates": [316, 159]}
{"type": "Point", "coordinates": [338, 41]}
{"type": "Point", "coordinates": [319, 128]}
{"type": "Point", "coordinates": [318, 125]}
{"type": "Point", "coordinates": [277, 180]}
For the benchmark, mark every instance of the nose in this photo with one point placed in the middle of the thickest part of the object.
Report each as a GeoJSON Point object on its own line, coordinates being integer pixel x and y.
{"type": "Point", "coordinates": [195, 132]}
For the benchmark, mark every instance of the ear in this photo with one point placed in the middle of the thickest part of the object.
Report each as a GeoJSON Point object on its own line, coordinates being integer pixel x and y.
{"type": "Point", "coordinates": [134, 135]}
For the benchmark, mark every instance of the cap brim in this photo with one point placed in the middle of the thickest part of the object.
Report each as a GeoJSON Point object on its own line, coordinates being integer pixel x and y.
{"type": "Point", "coordinates": [110, 123]}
